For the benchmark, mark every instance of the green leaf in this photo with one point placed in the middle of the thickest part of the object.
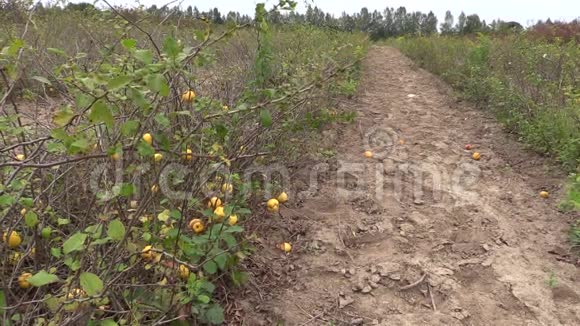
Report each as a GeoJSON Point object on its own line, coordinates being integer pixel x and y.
{"type": "Point", "coordinates": [145, 56]}
{"type": "Point", "coordinates": [108, 322]}
{"type": "Point", "coordinates": [42, 80]}
{"type": "Point", "coordinates": [157, 83]}
{"type": "Point", "coordinates": [100, 112]}
{"type": "Point", "coordinates": [162, 120]}
{"type": "Point", "coordinates": [56, 252]}
{"type": "Point", "coordinates": [31, 219]}
{"type": "Point", "coordinates": [265, 118]}
{"type": "Point", "coordinates": [129, 43]}
{"type": "Point", "coordinates": [99, 242]}
{"type": "Point", "coordinates": [130, 128]}
{"type": "Point", "coordinates": [239, 277]}
{"type": "Point", "coordinates": [210, 267]}
{"type": "Point", "coordinates": [215, 315]}
{"type": "Point", "coordinates": [175, 214]}
{"type": "Point", "coordinates": [79, 145]}
{"type": "Point", "coordinates": [64, 116]}
{"type": "Point", "coordinates": [145, 150]}
{"type": "Point", "coordinates": [6, 200]}
{"type": "Point", "coordinates": [74, 243]}
{"type": "Point", "coordinates": [171, 47]}
{"type": "Point", "coordinates": [56, 51]}
{"type": "Point", "coordinates": [119, 82]}
{"type": "Point", "coordinates": [163, 216]}
{"type": "Point", "coordinates": [203, 298]}
{"type": "Point", "coordinates": [221, 260]}
{"type": "Point", "coordinates": [116, 230]}
{"type": "Point", "coordinates": [91, 283]}
{"type": "Point", "coordinates": [73, 264]}
{"type": "Point", "coordinates": [26, 202]}
{"type": "Point", "coordinates": [42, 278]}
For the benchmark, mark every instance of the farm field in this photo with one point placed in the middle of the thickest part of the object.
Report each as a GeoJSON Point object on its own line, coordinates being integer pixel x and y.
{"type": "Point", "coordinates": [165, 166]}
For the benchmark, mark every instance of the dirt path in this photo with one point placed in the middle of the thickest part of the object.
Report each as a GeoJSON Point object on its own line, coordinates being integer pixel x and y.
{"type": "Point", "coordinates": [421, 234]}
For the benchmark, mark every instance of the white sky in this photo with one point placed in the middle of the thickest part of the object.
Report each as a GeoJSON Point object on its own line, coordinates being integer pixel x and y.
{"type": "Point", "coordinates": [523, 11]}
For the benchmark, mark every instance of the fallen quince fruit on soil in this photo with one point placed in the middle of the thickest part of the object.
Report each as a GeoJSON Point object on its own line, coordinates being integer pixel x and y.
{"type": "Point", "coordinates": [544, 194]}
{"type": "Point", "coordinates": [286, 247]}
{"type": "Point", "coordinates": [20, 157]}
{"type": "Point", "coordinates": [476, 156]}
{"type": "Point", "coordinates": [273, 205]}
{"type": "Point", "coordinates": [188, 96]}
{"type": "Point", "coordinates": [282, 197]}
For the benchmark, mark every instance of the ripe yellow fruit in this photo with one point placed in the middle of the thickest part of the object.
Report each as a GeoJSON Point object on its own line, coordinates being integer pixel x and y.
{"type": "Point", "coordinates": [158, 157]}
{"type": "Point", "coordinates": [233, 220]}
{"type": "Point", "coordinates": [23, 280]}
{"type": "Point", "coordinates": [225, 108]}
{"type": "Point", "coordinates": [196, 225]}
{"type": "Point", "coordinates": [183, 272]}
{"type": "Point", "coordinates": [214, 202]}
{"type": "Point", "coordinates": [14, 240]}
{"type": "Point", "coordinates": [154, 188]}
{"type": "Point", "coordinates": [23, 211]}
{"type": "Point", "coordinates": [20, 157]}
{"type": "Point", "coordinates": [188, 96]}
{"type": "Point", "coordinates": [148, 138]}
{"type": "Point", "coordinates": [544, 194]}
{"type": "Point", "coordinates": [116, 156]}
{"type": "Point", "coordinates": [219, 212]}
{"type": "Point", "coordinates": [476, 156]}
{"type": "Point", "coordinates": [273, 205]}
{"type": "Point", "coordinates": [286, 247]}
{"type": "Point", "coordinates": [15, 258]}
{"type": "Point", "coordinates": [368, 154]}
{"type": "Point", "coordinates": [76, 294]}
{"type": "Point", "coordinates": [188, 155]}
{"type": "Point", "coordinates": [147, 253]}
{"type": "Point", "coordinates": [227, 187]}
{"type": "Point", "coordinates": [283, 197]}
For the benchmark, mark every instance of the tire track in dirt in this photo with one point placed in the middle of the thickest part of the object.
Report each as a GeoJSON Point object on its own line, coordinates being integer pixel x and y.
{"type": "Point", "coordinates": [475, 234]}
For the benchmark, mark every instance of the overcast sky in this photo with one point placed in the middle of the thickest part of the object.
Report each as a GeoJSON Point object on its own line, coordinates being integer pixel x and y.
{"type": "Point", "coordinates": [522, 11]}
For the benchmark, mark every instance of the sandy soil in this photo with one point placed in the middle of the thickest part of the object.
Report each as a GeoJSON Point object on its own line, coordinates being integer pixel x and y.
{"type": "Point", "coordinates": [421, 234]}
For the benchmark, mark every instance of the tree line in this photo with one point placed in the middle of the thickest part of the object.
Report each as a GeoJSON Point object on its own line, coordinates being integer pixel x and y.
{"type": "Point", "coordinates": [389, 22]}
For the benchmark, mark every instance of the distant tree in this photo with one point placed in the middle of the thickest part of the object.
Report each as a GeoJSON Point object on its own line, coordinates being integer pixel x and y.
{"type": "Point", "coordinates": [216, 16]}
{"type": "Point", "coordinates": [189, 11]}
{"type": "Point", "coordinates": [364, 21]}
{"type": "Point", "coordinates": [399, 20]}
{"type": "Point", "coordinates": [429, 24]}
{"type": "Point", "coordinates": [447, 25]}
{"type": "Point", "coordinates": [82, 6]}
{"type": "Point", "coordinates": [461, 21]}
{"type": "Point", "coordinates": [472, 24]}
